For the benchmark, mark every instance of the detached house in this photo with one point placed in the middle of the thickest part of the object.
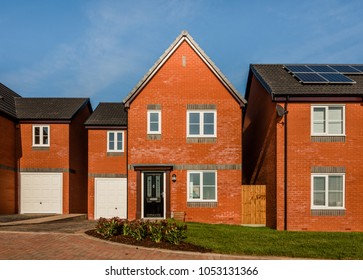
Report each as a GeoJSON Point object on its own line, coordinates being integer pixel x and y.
{"type": "Point", "coordinates": [303, 138]}
{"type": "Point", "coordinates": [184, 140]}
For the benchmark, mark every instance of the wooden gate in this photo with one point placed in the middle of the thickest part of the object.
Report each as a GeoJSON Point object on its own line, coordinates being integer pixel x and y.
{"type": "Point", "coordinates": [254, 204]}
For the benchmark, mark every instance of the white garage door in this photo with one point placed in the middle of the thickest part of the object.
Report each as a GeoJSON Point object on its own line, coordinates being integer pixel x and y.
{"type": "Point", "coordinates": [41, 193]}
{"type": "Point", "coordinates": [110, 198]}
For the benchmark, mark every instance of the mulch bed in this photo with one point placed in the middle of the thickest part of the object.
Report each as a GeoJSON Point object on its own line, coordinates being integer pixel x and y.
{"type": "Point", "coordinates": [183, 246]}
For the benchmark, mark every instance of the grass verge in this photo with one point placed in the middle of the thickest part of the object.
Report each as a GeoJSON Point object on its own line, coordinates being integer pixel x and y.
{"type": "Point", "coordinates": [230, 239]}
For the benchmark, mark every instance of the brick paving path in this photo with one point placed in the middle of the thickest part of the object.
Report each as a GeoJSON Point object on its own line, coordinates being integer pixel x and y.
{"type": "Point", "coordinates": [78, 246]}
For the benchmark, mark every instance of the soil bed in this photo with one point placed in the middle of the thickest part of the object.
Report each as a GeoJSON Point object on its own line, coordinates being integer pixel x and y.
{"type": "Point", "coordinates": [183, 246]}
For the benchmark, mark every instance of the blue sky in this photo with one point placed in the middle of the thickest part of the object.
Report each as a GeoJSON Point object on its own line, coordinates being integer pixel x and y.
{"type": "Point", "coordinates": [101, 49]}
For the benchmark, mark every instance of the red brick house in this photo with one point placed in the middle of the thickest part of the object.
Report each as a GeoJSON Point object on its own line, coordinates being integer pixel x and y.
{"type": "Point", "coordinates": [184, 140]}
{"type": "Point", "coordinates": [303, 138]}
{"type": "Point", "coordinates": [8, 155]}
{"type": "Point", "coordinates": [51, 161]}
{"type": "Point", "coordinates": [107, 161]}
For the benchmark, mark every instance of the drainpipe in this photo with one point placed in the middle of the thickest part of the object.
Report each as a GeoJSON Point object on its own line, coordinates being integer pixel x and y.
{"type": "Point", "coordinates": [285, 163]}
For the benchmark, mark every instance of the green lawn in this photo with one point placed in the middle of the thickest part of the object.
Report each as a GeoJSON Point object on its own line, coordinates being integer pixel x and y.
{"type": "Point", "coordinates": [229, 239]}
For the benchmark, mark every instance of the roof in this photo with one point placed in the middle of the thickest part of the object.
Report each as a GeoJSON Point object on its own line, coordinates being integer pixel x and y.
{"type": "Point", "coordinates": [183, 37]}
{"type": "Point", "coordinates": [7, 102]}
{"type": "Point", "coordinates": [49, 108]}
{"type": "Point", "coordinates": [278, 82]}
{"type": "Point", "coordinates": [108, 114]}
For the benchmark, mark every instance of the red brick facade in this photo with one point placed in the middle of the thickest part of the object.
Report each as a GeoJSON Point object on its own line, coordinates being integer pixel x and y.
{"type": "Point", "coordinates": [66, 154]}
{"type": "Point", "coordinates": [264, 157]}
{"type": "Point", "coordinates": [102, 164]}
{"type": "Point", "coordinates": [8, 166]}
{"type": "Point", "coordinates": [186, 80]}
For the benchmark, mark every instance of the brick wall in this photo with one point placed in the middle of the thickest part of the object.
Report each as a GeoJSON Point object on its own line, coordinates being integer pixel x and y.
{"type": "Point", "coordinates": [78, 161]}
{"type": "Point", "coordinates": [174, 87]}
{"type": "Point", "coordinates": [8, 165]}
{"type": "Point", "coordinates": [303, 154]}
{"type": "Point", "coordinates": [101, 163]}
{"type": "Point", "coordinates": [259, 146]}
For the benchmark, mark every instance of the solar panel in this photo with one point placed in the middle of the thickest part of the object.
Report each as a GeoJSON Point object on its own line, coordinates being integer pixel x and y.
{"type": "Point", "coordinates": [346, 69]}
{"type": "Point", "coordinates": [336, 78]}
{"type": "Point", "coordinates": [358, 67]}
{"type": "Point", "coordinates": [310, 77]}
{"type": "Point", "coordinates": [297, 68]}
{"type": "Point", "coordinates": [324, 74]}
{"type": "Point", "coordinates": [321, 68]}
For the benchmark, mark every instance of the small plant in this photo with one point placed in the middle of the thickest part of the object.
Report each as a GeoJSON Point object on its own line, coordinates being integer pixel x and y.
{"type": "Point", "coordinates": [138, 230]}
{"type": "Point", "coordinates": [109, 227]}
{"type": "Point", "coordinates": [175, 233]}
{"type": "Point", "coordinates": [157, 231]}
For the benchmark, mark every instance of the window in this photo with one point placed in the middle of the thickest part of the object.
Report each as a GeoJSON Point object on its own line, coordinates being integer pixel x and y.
{"type": "Point", "coordinates": [41, 137]}
{"type": "Point", "coordinates": [328, 191]}
{"type": "Point", "coordinates": [202, 186]}
{"type": "Point", "coordinates": [154, 122]}
{"type": "Point", "coordinates": [328, 120]}
{"type": "Point", "coordinates": [115, 141]}
{"type": "Point", "coordinates": [201, 124]}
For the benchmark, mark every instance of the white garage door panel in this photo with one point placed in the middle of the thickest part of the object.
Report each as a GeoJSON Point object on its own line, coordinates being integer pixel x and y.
{"type": "Point", "coordinates": [41, 192]}
{"type": "Point", "coordinates": [110, 198]}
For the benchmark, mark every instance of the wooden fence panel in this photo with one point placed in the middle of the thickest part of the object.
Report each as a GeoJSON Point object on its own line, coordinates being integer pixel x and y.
{"type": "Point", "coordinates": [254, 204]}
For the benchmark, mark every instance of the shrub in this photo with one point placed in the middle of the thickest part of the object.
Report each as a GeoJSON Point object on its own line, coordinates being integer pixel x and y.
{"type": "Point", "coordinates": [109, 227]}
{"type": "Point", "coordinates": [158, 231]}
{"type": "Point", "coordinates": [138, 230]}
{"type": "Point", "coordinates": [175, 233]}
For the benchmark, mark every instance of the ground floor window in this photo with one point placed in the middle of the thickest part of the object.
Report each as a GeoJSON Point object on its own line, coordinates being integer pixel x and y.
{"type": "Point", "coordinates": [202, 186]}
{"type": "Point", "coordinates": [328, 191]}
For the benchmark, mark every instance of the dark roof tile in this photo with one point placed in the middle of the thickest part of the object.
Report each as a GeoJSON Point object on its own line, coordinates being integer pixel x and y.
{"type": "Point", "coordinates": [278, 82]}
{"type": "Point", "coordinates": [7, 102]}
{"type": "Point", "coordinates": [108, 114]}
{"type": "Point", "coordinates": [49, 108]}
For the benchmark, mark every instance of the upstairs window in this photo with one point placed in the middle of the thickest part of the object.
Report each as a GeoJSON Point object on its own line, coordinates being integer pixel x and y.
{"type": "Point", "coordinates": [328, 120]}
{"type": "Point", "coordinates": [327, 191]}
{"type": "Point", "coordinates": [201, 124]}
{"type": "Point", "coordinates": [153, 122]}
{"type": "Point", "coordinates": [41, 137]}
{"type": "Point", "coordinates": [115, 141]}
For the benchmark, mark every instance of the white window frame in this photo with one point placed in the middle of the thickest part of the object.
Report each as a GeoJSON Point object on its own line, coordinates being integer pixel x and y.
{"type": "Point", "coordinates": [149, 131]}
{"type": "Point", "coordinates": [201, 123]}
{"type": "Point", "coordinates": [326, 121]}
{"type": "Point", "coordinates": [326, 176]}
{"type": "Point", "coordinates": [41, 143]}
{"type": "Point", "coordinates": [201, 172]}
{"type": "Point", "coordinates": [115, 132]}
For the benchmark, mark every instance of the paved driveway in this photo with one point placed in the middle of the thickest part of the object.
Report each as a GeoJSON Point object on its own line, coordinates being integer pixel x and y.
{"type": "Point", "coordinates": [67, 241]}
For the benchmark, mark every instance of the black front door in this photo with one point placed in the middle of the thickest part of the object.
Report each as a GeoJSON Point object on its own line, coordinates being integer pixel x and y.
{"type": "Point", "coordinates": [153, 195]}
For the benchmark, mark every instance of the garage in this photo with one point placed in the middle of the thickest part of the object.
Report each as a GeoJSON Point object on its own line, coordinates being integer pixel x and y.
{"type": "Point", "coordinates": [41, 193]}
{"type": "Point", "coordinates": [110, 198]}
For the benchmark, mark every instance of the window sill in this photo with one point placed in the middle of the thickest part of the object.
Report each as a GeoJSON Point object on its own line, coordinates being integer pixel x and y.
{"type": "Point", "coordinates": [40, 148]}
{"type": "Point", "coordinates": [327, 138]}
{"type": "Point", "coordinates": [204, 204]}
{"type": "Point", "coordinates": [191, 140]}
{"type": "Point", "coordinates": [154, 136]}
{"type": "Point", "coordinates": [115, 154]}
{"type": "Point", "coordinates": [328, 212]}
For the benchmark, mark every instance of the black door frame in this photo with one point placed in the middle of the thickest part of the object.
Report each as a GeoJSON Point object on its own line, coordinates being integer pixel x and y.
{"type": "Point", "coordinates": [140, 169]}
